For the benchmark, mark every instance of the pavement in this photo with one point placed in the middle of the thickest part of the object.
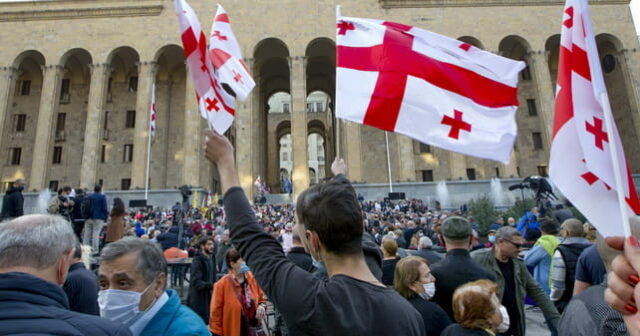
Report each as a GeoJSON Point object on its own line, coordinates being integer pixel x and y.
{"type": "Point", "coordinates": [535, 322]}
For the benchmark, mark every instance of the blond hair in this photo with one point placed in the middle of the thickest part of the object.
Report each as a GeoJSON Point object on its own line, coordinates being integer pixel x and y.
{"type": "Point", "coordinates": [390, 246]}
{"type": "Point", "coordinates": [407, 273]}
{"type": "Point", "coordinates": [475, 303]}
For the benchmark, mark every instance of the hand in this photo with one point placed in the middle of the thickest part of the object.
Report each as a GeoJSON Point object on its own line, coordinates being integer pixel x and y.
{"type": "Point", "coordinates": [217, 148]}
{"type": "Point", "coordinates": [339, 167]}
{"type": "Point", "coordinates": [622, 280]}
{"type": "Point", "coordinates": [260, 312]}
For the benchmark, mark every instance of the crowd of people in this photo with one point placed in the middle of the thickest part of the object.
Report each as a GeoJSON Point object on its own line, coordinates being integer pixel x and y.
{"type": "Point", "coordinates": [331, 264]}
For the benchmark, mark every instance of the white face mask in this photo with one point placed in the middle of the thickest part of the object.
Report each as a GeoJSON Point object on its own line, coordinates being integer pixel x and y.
{"type": "Point", "coordinates": [429, 290]}
{"type": "Point", "coordinates": [121, 305]}
{"type": "Point", "coordinates": [504, 325]}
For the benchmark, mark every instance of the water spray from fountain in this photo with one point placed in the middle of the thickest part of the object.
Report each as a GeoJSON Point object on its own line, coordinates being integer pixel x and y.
{"type": "Point", "coordinates": [443, 194]}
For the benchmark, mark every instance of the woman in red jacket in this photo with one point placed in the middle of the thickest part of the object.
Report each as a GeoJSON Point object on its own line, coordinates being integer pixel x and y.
{"type": "Point", "coordinates": [238, 304]}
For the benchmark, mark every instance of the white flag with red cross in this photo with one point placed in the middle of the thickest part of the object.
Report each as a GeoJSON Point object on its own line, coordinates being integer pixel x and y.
{"type": "Point", "coordinates": [581, 164]}
{"type": "Point", "coordinates": [215, 106]}
{"type": "Point", "coordinates": [226, 56]}
{"type": "Point", "coordinates": [429, 87]}
{"type": "Point", "coordinates": [152, 118]}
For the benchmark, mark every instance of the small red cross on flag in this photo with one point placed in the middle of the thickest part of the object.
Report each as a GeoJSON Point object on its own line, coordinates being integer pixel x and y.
{"type": "Point", "coordinates": [237, 77]}
{"type": "Point", "coordinates": [212, 104]}
{"type": "Point", "coordinates": [343, 26]}
{"type": "Point", "coordinates": [217, 35]}
{"type": "Point", "coordinates": [596, 129]}
{"type": "Point", "coordinates": [456, 123]}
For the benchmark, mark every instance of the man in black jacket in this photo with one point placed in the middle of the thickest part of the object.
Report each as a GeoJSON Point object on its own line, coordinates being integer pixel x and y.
{"type": "Point", "coordinates": [457, 268]}
{"type": "Point", "coordinates": [81, 286]}
{"type": "Point", "coordinates": [425, 250]}
{"type": "Point", "coordinates": [299, 256]}
{"type": "Point", "coordinates": [32, 270]}
{"type": "Point", "coordinates": [330, 223]}
{"type": "Point", "coordinates": [203, 276]}
{"type": "Point", "coordinates": [13, 202]}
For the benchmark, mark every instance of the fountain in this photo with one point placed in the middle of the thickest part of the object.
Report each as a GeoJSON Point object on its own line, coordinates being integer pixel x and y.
{"type": "Point", "coordinates": [43, 201]}
{"type": "Point", "coordinates": [443, 194]}
{"type": "Point", "coordinates": [497, 193]}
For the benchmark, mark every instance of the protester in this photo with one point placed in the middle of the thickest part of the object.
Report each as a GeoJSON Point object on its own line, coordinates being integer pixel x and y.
{"type": "Point", "coordinates": [540, 256]}
{"type": "Point", "coordinates": [529, 225]}
{"type": "Point", "coordinates": [133, 276]}
{"type": "Point", "coordinates": [425, 250]}
{"type": "Point", "coordinates": [330, 223]}
{"type": "Point", "coordinates": [590, 270]}
{"type": "Point", "coordinates": [287, 235]}
{"type": "Point", "coordinates": [457, 268]}
{"type": "Point", "coordinates": [514, 280]}
{"type": "Point", "coordinates": [202, 277]}
{"type": "Point", "coordinates": [169, 239]}
{"type": "Point", "coordinates": [95, 222]}
{"type": "Point", "coordinates": [238, 305]}
{"type": "Point", "coordinates": [497, 225]}
{"type": "Point", "coordinates": [61, 204]}
{"type": "Point", "coordinates": [116, 224]}
{"type": "Point", "coordinates": [35, 254]}
{"type": "Point", "coordinates": [389, 261]}
{"type": "Point", "coordinates": [76, 213]}
{"type": "Point", "coordinates": [565, 259]}
{"type": "Point", "coordinates": [477, 310]}
{"type": "Point", "coordinates": [81, 286]}
{"type": "Point", "coordinates": [299, 256]}
{"type": "Point", "coordinates": [222, 248]}
{"type": "Point", "coordinates": [414, 281]}
{"type": "Point", "coordinates": [13, 201]}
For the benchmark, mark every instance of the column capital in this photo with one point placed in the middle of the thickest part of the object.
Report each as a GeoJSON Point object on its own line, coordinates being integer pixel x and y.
{"type": "Point", "coordinates": [106, 67]}
{"type": "Point", "coordinates": [292, 59]}
{"type": "Point", "coordinates": [151, 66]}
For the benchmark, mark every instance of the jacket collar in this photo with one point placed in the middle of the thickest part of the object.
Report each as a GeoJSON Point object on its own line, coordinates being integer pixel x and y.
{"type": "Point", "coordinates": [76, 266]}
{"type": "Point", "coordinates": [458, 252]}
{"type": "Point", "coordinates": [16, 286]}
{"type": "Point", "coordinates": [163, 318]}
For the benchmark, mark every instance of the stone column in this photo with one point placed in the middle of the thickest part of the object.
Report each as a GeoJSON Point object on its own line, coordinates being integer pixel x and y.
{"type": "Point", "coordinates": [631, 60]}
{"type": "Point", "coordinates": [146, 78]}
{"type": "Point", "coordinates": [406, 158]}
{"type": "Point", "coordinates": [458, 166]}
{"type": "Point", "coordinates": [244, 138]}
{"type": "Point", "coordinates": [542, 78]}
{"type": "Point", "coordinates": [52, 76]}
{"type": "Point", "coordinates": [8, 76]}
{"type": "Point", "coordinates": [160, 145]}
{"type": "Point", "coordinates": [300, 153]}
{"type": "Point", "coordinates": [351, 149]}
{"type": "Point", "coordinates": [192, 131]}
{"type": "Point", "coordinates": [93, 130]}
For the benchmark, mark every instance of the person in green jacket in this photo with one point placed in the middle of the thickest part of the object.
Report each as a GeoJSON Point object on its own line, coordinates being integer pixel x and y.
{"type": "Point", "coordinates": [514, 281]}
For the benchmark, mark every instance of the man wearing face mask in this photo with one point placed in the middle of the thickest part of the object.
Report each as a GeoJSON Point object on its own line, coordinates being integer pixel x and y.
{"type": "Point", "coordinates": [32, 271]}
{"type": "Point", "coordinates": [329, 219]}
{"type": "Point", "coordinates": [413, 280]}
{"type": "Point", "coordinates": [13, 201]}
{"type": "Point", "coordinates": [132, 275]}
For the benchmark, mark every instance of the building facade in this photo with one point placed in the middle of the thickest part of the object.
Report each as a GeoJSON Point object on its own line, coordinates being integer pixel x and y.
{"type": "Point", "coordinates": [76, 78]}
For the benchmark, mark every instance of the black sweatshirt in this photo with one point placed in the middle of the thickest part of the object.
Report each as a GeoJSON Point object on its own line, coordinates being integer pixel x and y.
{"type": "Point", "coordinates": [311, 306]}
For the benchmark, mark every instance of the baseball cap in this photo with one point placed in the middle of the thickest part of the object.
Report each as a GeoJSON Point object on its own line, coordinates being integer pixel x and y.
{"type": "Point", "coordinates": [456, 228]}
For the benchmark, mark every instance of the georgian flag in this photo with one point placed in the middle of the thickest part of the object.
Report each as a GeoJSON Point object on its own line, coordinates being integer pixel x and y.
{"type": "Point", "coordinates": [581, 164]}
{"type": "Point", "coordinates": [429, 87]}
{"type": "Point", "coordinates": [152, 119]}
{"type": "Point", "coordinates": [227, 58]}
{"type": "Point", "coordinates": [215, 106]}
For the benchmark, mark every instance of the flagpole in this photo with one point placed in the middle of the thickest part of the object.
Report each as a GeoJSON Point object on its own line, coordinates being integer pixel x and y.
{"type": "Point", "coordinates": [608, 121]}
{"type": "Point", "coordinates": [386, 139]}
{"type": "Point", "coordinates": [338, 120]}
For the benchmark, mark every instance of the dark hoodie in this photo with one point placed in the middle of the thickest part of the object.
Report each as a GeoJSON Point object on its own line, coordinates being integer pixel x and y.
{"type": "Point", "coordinates": [169, 239]}
{"type": "Point", "coordinates": [12, 204]}
{"type": "Point", "coordinates": [372, 256]}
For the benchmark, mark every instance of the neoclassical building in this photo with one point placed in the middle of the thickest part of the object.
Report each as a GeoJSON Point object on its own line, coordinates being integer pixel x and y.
{"type": "Point", "coordinates": [76, 78]}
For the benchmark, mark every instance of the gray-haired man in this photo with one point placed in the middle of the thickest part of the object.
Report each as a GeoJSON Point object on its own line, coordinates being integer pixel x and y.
{"type": "Point", "coordinates": [133, 277]}
{"type": "Point", "coordinates": [514, 281]}
{"type": "Point", "coordinates": [35, 252]}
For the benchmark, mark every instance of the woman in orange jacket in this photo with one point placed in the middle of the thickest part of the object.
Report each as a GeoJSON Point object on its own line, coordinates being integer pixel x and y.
{"type": "Point", "coordinates": [238, 303]}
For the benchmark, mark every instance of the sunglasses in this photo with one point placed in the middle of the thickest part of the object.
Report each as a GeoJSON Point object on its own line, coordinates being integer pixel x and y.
{"type": "Point", "coordinates": [514, 244]}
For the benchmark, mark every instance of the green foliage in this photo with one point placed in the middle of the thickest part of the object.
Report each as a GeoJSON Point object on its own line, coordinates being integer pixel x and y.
{"type": "Point", "coordinates": [483, 211]}
{"type": "Point", "coordinates": [519, 209]}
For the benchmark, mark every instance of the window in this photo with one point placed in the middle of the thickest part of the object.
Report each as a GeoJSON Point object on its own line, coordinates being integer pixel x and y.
{"type": "Point", "coordinates": [109, 84]}
{"type": "Point", "coordinates": [25, 88]}
{"type": "Point", "coordinates": [525, 74]}
{"type": "Point", "coordinates": [285, 108]}
{"type": "Point", "coordinates": [531, 105]}
{"type": "Point", "coordinates": [131, 119]}
{"type": "Point", "coordinates": [537, 140]}
{"type": "Point", "coordinates": [14, 156]}
{"type": "Point", "coordinates": [424, 148]}
{"type": "Point", "coordinates": [19, 122]}
{"type": "Point", "coordinates": [133, 83]}
{"type": "Point", "coordinates": [427, 175]}
{"type": "Point", "coordinates": [57, 155]}
{"type": "Point", "coordinates": [319, 107]}
{"type": "Point", "coordinates": [543, 171]}
{"type": "Point", "coordinates": [518, 170]}
{"type": "Point", "coordinates": [128, 153]}
{"type": "Point", "coordinates": [103, 154]}
{"type": "Point", "coordinates": [310, 107]}
{"type": "Point", "coordinates": [471, 174]}
{"type": "Point", "coordinates": [64, 90]}
{"type": "Point", "coordinates": [608, 63]}
{"type": "Point", "coordinates": [53, 185]}
{"type": "Point", "coordinates": [497, 172]}
{"type": "Point", "coordinates": [60, 124]}
{"type": "Point", "coordinates": [285, 156]}
{"type": "Point", "coordinates": [126, 184]}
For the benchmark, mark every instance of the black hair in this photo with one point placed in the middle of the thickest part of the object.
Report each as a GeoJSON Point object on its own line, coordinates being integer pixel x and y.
{"type": "Point", "coordinates": [549, 226]}
{"type": "Point", "coordinates": [97, 188]}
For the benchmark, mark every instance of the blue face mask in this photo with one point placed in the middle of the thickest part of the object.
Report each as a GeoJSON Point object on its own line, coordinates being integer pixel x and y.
{"type": "Point", "coordinates": [492, 239]}
{"type": "Point", "coordinates": [244, 268]}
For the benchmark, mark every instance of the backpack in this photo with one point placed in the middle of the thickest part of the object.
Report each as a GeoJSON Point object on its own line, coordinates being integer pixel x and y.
{"type": "Point", "coordinates": [85, 207]}
{"type": "Point", "coordinates": [54, 205]}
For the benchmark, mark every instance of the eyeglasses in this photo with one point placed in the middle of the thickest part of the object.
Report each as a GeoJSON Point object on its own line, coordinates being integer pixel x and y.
{"type": "Point", "coordinates": [514, 244]}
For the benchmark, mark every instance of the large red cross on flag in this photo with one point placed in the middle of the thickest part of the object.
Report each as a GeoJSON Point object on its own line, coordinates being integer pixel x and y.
{"type": "Point", "coordinates": [227, 58]}
{"type": "Point", "coordinates": [215, 105]}
{"type": "Point", "coordinates": [427, 86]}
{"type": "Point", "coordinates": [581, 151]}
